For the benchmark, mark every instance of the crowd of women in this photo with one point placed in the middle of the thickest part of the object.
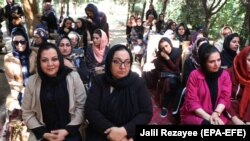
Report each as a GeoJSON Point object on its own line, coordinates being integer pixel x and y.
{"type": "Point", "coordinates": [199, 81]}
{"type": "Point", "coordinates": [74, 89]}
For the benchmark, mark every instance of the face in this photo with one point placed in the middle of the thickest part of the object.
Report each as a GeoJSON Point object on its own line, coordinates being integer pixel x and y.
{"type": "Point", "coordinates": [214, 62]}
{"type": "Point", "coordinates": [19, 43]}
{"type": "Point", "coordinates": [68, 24]}
{"type": "Point", "coordinates": [226, 32]}
{"type": "Point", "coordinates": [139, 22]}
{"type": "Point", "coordinates": [47, 5]}
{"type": "Point", "coordinates": [65, 47]}
{"type": "Point", "coordinates": [121, 64]}
{"type": "Point", "coordinates": [181, 30]}
{"type": "Point", "coordinates": [37, 39]}
{"type": "Point", "coordinates": [74, 40]}
{"type": "Point", "coordinates": [165, 47]}
{"type": "Point", "coordinates": [90, 14]}
{"type": "Point", "coordinates": [49, 62]}
{"type": "Point", "coordinates": [78, 23]}
{"type": "Point", "coordinates": [9, 1]}
{"type": "Point", "coordinates": [173, 26]}
{"type": "Point", "coordinates": [248, 63]}
{"type": "Point", "coordinates": [96, 39]}
{"type": "Point", "coordinates": [234, 44]}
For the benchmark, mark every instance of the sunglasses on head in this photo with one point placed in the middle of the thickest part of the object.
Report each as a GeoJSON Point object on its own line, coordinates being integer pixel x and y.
{"type": "Point", "coordinates": [21, 42]}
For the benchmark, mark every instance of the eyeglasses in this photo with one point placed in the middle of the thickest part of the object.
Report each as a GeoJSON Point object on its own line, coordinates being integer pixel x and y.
{"type": "Point", "coordinates": [119, 63]}
{"type": "Point", "coordinates": [22, 42]}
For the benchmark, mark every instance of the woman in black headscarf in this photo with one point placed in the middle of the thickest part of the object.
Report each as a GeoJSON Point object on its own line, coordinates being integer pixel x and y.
{"type": "Point", "coordinates": [54, 99]}
{"type": "Point", "coordinates": [117, 100]}
{"type": "Point", "coordinates": [167, 64]}
{"type": "Point", "coordinates": [230, 47]}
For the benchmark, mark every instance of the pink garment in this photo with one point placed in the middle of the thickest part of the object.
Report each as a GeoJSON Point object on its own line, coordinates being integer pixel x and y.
{"type": "Point", "coordinates": [99, 50]}
{"type": "Point", "coordinates": [198, 96]}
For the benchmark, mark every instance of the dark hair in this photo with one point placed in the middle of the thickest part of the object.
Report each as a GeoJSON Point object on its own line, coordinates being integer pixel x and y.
{"type": "Point", "coordinates": [164, 39]}
{"type": "Point", "coordinates": [60, 39]}
{"type": "Point", "coordinates": [201, 40]}
{"type": "Point", "coordinates": [48, 46]}
{"type": "Point", "coordinates": [228, 39]}
{"type": "Point", "coordinates": [204, 52]}
{"type": "Point", "coordinates": [110, 56]}
{"type": "Point", "coordinates": [98, 31]}
{"type": "Point", "coordinates": [20, 31]}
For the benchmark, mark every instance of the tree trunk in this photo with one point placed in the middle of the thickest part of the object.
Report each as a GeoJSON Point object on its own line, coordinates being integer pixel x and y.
{"type": "Point", "coordinates": [67, 7]}
{"type": "Point", "coordinates": [207, 24]}
{"type": "Point", "coordinates": [30, 8]}
{"type": "Point", "coordinates": [164, 6]}
{"type": "Point", "coordinates": [143, 10]}
{"type": "Point", "coordinates": [248, 24]}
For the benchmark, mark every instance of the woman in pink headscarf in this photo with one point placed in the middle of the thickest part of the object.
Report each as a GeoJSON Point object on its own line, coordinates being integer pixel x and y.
{"type": "Point", "coordinates": [96, 53]}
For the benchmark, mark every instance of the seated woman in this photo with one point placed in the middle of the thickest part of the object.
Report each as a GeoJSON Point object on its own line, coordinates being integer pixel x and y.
{"type": "Point", "coordinates": [167, 64]}
{"type": "Point", "coordinates": [240, 106]}
{"type": "Point", "coordinates": [96, 53]}
{"type": "Point", "coordinates": [230, 48]}
{"type": "Point", "coordinates": [18, 65]}
{"type": "Point", "coordinates": [40, 36]}
{"type": "Point", "coordinates": [65, 27]}
{"type": "Point", "coordinates": [208, 91]}
{"type": "Point", "coordinates": [54, 99]}
{"type": "Point", "coordinates": [118, 100]}
{"type": "Point", "coordinates": [191, 63]}
{"type": "Point", "coordinates": [73, 60]}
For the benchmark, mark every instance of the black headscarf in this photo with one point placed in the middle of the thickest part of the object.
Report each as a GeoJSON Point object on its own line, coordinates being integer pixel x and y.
{"type": "Point", "coordinates": [174, 54]}
{"type": "Point", "coordinates": [123, 82]}
{"type": "Point", "coordinates": [54, 95]}
{"type": "Point", "coordinates": [227, 55]}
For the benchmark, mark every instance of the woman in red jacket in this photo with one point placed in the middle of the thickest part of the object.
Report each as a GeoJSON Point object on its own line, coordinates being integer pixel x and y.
{"type": "Point", "coordinates": [208, 91]}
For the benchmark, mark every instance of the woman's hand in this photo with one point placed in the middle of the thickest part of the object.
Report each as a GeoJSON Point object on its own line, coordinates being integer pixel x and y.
{"type": "Point", "coordinates": [50, 137]}
{"type": "Point", "coordinates": [66, 30]}
{"type": "Point", "coordinates": [164, 55]}
{"type": "Point", "coordinates": [116, 133]}
{"type": "Point", "coordinates": [68, 63]}
{"type": "Point", "coordinates": [237, 121]}
{"type": "Point", "coordinates": [215, 119]}
{"type": "Point", "coordinates": [60, 134]}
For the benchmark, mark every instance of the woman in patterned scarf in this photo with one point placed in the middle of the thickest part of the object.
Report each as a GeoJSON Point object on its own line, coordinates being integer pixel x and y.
{"type": "Point", "coordinates": [18, 65]}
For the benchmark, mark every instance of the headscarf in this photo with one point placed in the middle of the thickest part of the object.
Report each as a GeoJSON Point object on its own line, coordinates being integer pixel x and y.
{"type": "Point", "coordinates": [91, 7]}
{"type": "Point", "coordinates": [210, 77]}
{"type": "Point", "coordinates": [194, 56]}
{"type": "Point", "coordinates": [228, 54]}
{"type": "Point", "coordinates": [22, 56]}
{"type": "Point", "coordinates": [42, 33]}
{"type": "Point", "coordinates": [60, 39]}
{"type": "Point", "coordinates": [62, 69]}
{"type": "Point", "coordinates": [116, 82]}
{"type": "Point", "coordinates": [174, 54]}
{"type": "Point", "coordinates": [99, 51]}
{"type": "Point", "coordinates": [243, 76]}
